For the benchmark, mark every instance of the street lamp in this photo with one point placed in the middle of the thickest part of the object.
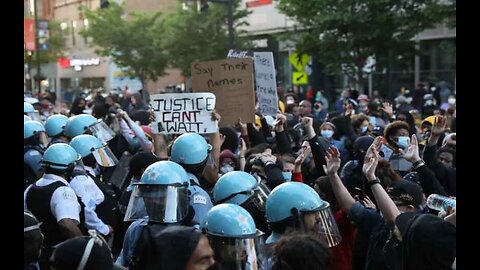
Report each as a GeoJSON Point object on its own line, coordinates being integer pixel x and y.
{"type": "Point", "coordinates": [230, 19]}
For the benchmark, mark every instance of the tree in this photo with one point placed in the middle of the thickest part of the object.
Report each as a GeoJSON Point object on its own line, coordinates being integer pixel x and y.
{"type": "Point", "coordinates": [56, 46]}
{"type": "Point", "coordinates": [342, 34]}
{"type": "Point", "coordinates": [192, 36]}
{"type": "Point", "coordinates": [134, 44]}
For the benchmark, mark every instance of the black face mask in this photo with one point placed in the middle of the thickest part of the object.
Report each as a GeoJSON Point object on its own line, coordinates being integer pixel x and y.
{"type": "Point", "coordinates": [89, 161]}
{"type": "Point", "coordinates": [68, 173]}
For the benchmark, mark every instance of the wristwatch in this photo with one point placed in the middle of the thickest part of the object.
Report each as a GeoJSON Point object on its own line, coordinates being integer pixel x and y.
{"type": "Point", "coordinates": [373, 182]}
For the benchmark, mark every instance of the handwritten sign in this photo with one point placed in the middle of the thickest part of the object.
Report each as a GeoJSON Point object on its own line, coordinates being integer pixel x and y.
{"type": "Point", "coordinates": [231, 80]}
{"type": "Point", "coordinates": [183, 113]}
{"type": "Point", "coordinates": [239, 54]}
{"type": "Point", "coordinates": [266, 84]}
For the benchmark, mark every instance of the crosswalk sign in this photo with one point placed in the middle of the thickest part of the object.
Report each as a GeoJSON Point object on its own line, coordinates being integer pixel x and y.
{"type": "Point", "coordinates": [299, 78]}
{"type": "Point", "coordinates": [299, 62]}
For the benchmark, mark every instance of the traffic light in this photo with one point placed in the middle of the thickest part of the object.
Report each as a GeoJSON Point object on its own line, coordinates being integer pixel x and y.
{"type": "Point", "coordinates": [104, 3]}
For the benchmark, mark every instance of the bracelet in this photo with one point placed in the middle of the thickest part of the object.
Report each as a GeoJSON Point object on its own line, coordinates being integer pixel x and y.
{"type": "Point", "coordinates": [418, 164]}
{"type": "Point", "coordinates": [415, 164]}
{"type": "Point", "coordinates": [241, 157]}
{"type": "Point", "coordinates": [373, 182]}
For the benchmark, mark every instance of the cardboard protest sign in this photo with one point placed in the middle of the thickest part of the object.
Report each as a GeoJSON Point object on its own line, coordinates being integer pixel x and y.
{"type": "Point", "coordinates": [183, 113]}
{"type": "Point", "coordinates": [231, 80]}
{"type": "Point", "coordinates": [266, 84]}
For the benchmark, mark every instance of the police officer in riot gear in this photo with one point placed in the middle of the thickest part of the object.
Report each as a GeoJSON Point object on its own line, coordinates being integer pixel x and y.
{"type": "Point", "coordinates": [30, 111]}
{"type": "Point", "coordinates": [294, 206]}
{"type": "Point", "coordinates": [246, 190]}
{"type": "Point", "coordinates": [163, 190]}
{"type": "Point", "coordinates": [102, 213]}
{"type": "Point", "coordinates": [53, 201]}
{"type": "Point", "coordinates": [55, 126]}
{"type": "Point", "coordinates": [35, 141]}
{"type": "Point", "coordinates": [234, 238]}
{"type": "Point", "coordinates": [191, 151]}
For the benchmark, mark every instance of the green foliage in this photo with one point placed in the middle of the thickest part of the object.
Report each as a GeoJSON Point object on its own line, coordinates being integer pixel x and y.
{"type": "Point", "coordinates": [200, 36]}
{"type": "Point", "coordinates": [135, 44]}
{"type": "Point", "coordinates": [344, 33]}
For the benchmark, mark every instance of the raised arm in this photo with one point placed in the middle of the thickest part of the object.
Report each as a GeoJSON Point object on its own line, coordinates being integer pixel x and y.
{"type": "Point", "coordinates": [344, 199]}
{"type": "Point", "coordinates": [384, 202]}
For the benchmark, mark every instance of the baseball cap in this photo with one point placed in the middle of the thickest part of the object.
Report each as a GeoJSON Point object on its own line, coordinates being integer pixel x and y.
{"type": "Point", "coordinates": [84, 253]}
{"type": "Point", "coordinates": [406, 192]}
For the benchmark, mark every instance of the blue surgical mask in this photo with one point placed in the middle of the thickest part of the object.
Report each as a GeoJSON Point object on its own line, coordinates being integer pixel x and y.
{"type": "Point", "coordinates": [363, 129]}
{"type": "Point", "coordinates": [403, 142]}
{"type": "Point", "coordinates": [326, 133]}
{"type": "Point", "coordinates": [287, 176]}
{"type": "Point", "coordinates": [226, 168]}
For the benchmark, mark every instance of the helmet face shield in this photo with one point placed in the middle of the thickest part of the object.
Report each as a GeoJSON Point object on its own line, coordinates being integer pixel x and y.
{"type": "Point", "coordinates": [238, 253]}
{"type": "Point", "coordinates": [35, 116]}
{"type": "Point", "coordinates": [322, 224]}
{"type": "Point", "coordinates": [102, 131]}
{"type": "Point", "coordinates": [163, 203]}
{"type": "Point", "coordinates": [43, 138]}
{"type": "Point", "coordinates": [105, 157]}
{"type": "Point", "coordinates": [136, 206]}
{"type": "Point", "coordinates": [259, 197]}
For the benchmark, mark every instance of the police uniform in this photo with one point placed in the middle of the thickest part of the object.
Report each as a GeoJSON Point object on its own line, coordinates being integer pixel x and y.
{"type": "Point", "coordinates": [199, 200]}
{"type": "Point", "coordinates": [51, 200]}
{"type": "Point", "coordinates": [91, 195]}
{"type": "Point", "coordinates": [32, 157]}
{"type": "Point", "coordinates": [130, 241]}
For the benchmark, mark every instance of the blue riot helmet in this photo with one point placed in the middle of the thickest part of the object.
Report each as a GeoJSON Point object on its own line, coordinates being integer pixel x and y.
{"type": "Point", "coordinates": [60, 156]}
{"type": "Point", "coordinates": [34, 133]}
{"type": "Point", "coordinates": [87, 145]}
{"type": "Point", "coordinates": [242, 189]}
{"type": "Point", "coordinates": [163, 189]}
{"type": "Point", "coordinates": [298, 206]}
{"type": "Point", "coordinates": [87, 124]}
{"type": "Point", "coordinates": [55, 125]}
{"type": "Point", "coordinates": [26, 118]}
{"type": "Point", "coordinates": [234, 238]}
{"type": "Point", "coordinates": [30, 111]}
{"type": "Point", "coordinates": [190, 150]}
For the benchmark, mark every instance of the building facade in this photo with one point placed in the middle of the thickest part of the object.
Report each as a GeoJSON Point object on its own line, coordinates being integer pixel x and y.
{"type": "Point", "coordinates": [437, 61]}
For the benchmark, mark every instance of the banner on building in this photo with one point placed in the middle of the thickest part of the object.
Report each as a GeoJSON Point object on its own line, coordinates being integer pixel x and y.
{"type": "Point", "coordinates": [183, 113]}
{"type": "Point", "coordinates": [266, 84]}
{"type": "Point", "coordinates": [29, 34]}
{"type": "Point", "coordinates": [231, 80]}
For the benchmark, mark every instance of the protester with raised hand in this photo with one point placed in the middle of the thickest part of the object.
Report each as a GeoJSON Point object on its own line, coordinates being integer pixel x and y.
{"type": "Point", "coordinates": [439, 160]}
{"type": "Point", "coordinates": [427, 178]}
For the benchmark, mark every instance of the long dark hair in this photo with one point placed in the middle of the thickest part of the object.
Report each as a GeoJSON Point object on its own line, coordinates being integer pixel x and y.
{"type": "Point", "coordinates": [76, 109]}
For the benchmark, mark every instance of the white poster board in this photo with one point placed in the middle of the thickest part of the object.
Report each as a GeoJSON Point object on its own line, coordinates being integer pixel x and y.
{"type": "Point", "coordinates": [183, 113]}
{"type": "Point", "coordinates": [266, 84]}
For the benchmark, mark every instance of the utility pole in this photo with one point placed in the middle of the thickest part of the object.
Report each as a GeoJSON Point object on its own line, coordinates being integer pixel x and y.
{"type": "Point", "coordinates": [37, 49]}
